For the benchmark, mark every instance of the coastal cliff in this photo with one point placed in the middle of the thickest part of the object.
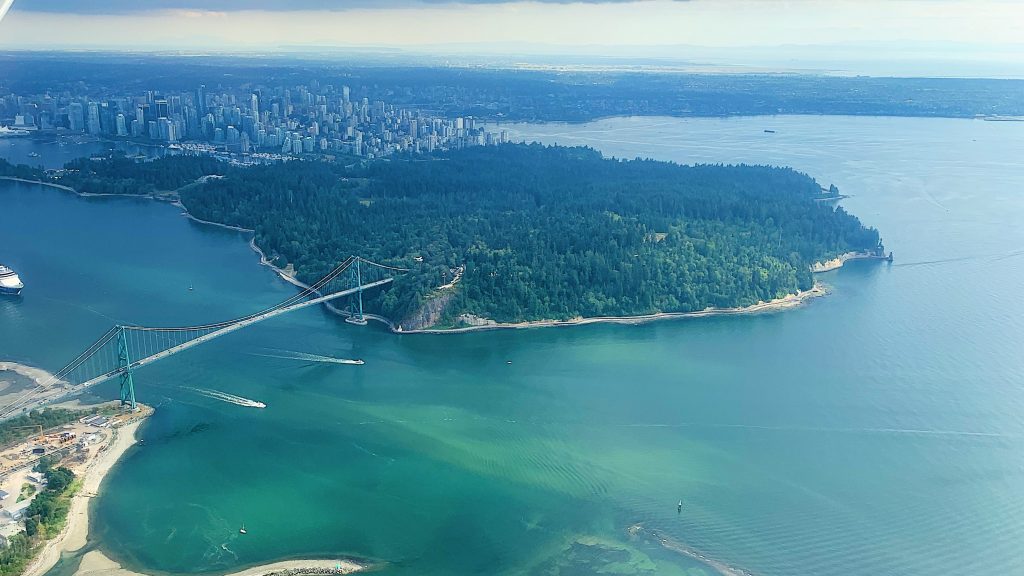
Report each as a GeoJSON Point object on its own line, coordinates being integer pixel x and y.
{"type": "Point", "coordinates": [838, 261]}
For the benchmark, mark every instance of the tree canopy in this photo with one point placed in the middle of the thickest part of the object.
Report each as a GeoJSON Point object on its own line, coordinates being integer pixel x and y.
{"type": "Point", "coordinates": [539, 232]}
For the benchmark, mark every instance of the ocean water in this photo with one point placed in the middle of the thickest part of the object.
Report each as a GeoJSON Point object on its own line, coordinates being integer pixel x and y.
{"type": "Point", "coordinates": [878, 430]}
{"type": "Point", "coordinates": [54, 153]}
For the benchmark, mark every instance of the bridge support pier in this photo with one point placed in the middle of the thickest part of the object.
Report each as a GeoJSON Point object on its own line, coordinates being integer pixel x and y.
{"type": "Point", "coordinates": [124, 365]}
{"type": "Point", "coordinates": [357, 318]}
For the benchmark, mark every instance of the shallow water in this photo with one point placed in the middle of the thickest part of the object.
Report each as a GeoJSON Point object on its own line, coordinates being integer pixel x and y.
{"type": "Point", "coordinates": [875, 431]}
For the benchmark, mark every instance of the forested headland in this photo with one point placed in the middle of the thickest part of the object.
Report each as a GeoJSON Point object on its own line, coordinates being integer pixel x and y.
{"type": "Point", "coordinates": [535, 232]}
{"type": "Point", "coordinates": [526, 232]}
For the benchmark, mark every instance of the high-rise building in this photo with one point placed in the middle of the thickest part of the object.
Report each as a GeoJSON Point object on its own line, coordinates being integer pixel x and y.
{"type": "Point", "coordinates": [122, 128]}
{"type": "Point", "coordinates": [76, 117]}
{"type": "Point", "coordinates": [193, 129]}
{"type": "Point", "coordinates": [92, 122]}
{"type": "Point", "coordinates": [167, 130]}
{"type": "Point", "coordinates": [201, 100]}
{"type": "Point", "coordinates": [254, 107]}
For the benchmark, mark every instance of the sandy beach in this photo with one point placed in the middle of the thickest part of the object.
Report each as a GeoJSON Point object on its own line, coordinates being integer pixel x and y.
{"type": "Point", "coordinates": [48, 388]}
{"type": "Point", "coordinates": [95, 563]}
{"type": "Point", "coordinates": [76, 530]}
{"type": "Point", "coordinates": [75, 534]}
{"type": "Point", "coordinates": [38, 375]}
{"type": "Point", "coordinates": [784, 303]}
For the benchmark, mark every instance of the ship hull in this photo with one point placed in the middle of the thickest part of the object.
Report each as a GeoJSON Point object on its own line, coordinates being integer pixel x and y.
{"type": "Point", "coordinates": [10, 291]}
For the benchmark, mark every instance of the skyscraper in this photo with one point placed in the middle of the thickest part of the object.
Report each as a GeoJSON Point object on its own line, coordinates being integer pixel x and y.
{"type": "Point", "coordinates": [201, 100]}
{"type": "Point", "coordinates": [76, 117]}
{"type": "Point", "coordinates": [92, 122]}
{"type": "Point", "coordinates": [254, 107]}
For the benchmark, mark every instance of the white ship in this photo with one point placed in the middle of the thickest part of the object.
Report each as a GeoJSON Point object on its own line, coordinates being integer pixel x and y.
{"type": "Point", "coordinates": [9, 281]}
{"type": "Point", "coordinates": [5, 132]}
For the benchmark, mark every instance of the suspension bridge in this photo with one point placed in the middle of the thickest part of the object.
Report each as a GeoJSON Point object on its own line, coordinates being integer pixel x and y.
{"type": "Point", "coordinates": [124, 348]}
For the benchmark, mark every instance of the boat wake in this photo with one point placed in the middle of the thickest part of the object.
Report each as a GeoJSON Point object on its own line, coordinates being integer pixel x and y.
{"type": "Point", "coordinates": [290, 355]}
{"type": "Point", "coordinates": [229, 398]}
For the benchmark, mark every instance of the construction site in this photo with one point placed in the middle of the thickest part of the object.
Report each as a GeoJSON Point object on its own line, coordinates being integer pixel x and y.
{"type": "Point", "coordinates": [75, 445]}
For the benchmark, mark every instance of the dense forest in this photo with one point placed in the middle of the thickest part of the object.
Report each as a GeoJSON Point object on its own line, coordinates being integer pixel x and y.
{"type": "Point", "coordinates": [535, 232]}
{"type": "Point", "coordinates": [121, 175]}
{"type": "Point", "coordinates": [20, 171]}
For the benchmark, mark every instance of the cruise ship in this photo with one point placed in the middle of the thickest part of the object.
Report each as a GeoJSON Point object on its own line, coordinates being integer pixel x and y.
{"type": "Point", "coordinates": [9, 281]}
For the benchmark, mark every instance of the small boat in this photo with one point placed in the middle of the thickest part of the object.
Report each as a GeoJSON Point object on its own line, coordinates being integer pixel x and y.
{"type": "Point", "coordinates": [242, 530]}
{"type": "Point", "coordinates": [190, 288]}
{"type": "Point", "coordinates": [33, 154]}
{"type": "Point", "coordinates": [769, 131]}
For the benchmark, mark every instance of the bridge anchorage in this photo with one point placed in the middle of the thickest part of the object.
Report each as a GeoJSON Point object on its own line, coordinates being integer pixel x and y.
{"type": "Point", "coordinates": [124, 348]}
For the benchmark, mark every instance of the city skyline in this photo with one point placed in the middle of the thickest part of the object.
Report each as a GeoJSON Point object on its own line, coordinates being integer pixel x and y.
{"type": "Point", "coordinates": [278, 122]}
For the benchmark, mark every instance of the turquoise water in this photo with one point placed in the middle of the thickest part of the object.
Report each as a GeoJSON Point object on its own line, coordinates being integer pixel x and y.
{"type": "Point", "coordinates": [875, 431]}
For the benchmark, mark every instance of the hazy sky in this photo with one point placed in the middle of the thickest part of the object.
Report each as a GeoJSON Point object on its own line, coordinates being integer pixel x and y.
{"type": "Point", "coordinates": [995, 26]}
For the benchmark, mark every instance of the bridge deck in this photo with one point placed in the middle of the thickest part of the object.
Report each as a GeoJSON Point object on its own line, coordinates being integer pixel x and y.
{"type": "Point", "coordinates": [226, 330]}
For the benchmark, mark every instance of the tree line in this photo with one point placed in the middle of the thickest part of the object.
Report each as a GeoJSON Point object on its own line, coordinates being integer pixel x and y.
{"type": "Point", "coordinates": [533, 232]}
{"type": "Point", "coordinates": [543, 232]}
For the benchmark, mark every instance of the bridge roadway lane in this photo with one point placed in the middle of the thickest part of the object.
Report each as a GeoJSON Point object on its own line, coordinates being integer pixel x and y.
{"type": "Point", "coordinates": [221, 332]}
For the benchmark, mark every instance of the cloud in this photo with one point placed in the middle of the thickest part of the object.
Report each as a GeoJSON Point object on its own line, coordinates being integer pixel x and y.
{"type": "Point", "coordinates": [135, 6]}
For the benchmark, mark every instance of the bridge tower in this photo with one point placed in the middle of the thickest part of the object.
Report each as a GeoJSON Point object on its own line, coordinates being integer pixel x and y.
{"type": "Point", "coordinates": [357, 317]}
{"type": "Point", "coordinates": [124, 365]}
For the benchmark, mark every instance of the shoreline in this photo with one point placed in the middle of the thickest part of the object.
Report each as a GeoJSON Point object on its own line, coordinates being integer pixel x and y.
{"type": "Point", "coordinates": [81, 194]}
{"type": "Point", "coordinates": [52, 387]}
{"type": "Point", "coordinates": [785, 303]}
{"type": "Point", "coordinates": [75, 534]}
{"type": "Point", "coordinates": [43, 183]}
{"type": "Point", "coordinates": [838, 262]}
{"type": "Point", "coordinates": [96, 563]}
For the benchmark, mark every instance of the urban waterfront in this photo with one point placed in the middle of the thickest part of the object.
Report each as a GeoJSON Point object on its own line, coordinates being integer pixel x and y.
{"type": "Point", "coordinates": [877, 430]}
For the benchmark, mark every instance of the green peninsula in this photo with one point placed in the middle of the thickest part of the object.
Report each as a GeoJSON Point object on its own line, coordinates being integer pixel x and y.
{"type": "Point", "coordinates": [518, 233]}
{"type": "Point", "coordinates": [528, 232]}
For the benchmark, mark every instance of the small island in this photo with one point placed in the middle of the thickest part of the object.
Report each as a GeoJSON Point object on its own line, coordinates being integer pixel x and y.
{"type": "Point", "coordinates": [519, 235]}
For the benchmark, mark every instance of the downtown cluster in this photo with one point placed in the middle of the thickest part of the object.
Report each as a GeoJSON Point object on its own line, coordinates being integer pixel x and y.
{"type": "Point", "coordinates": [286, 121]}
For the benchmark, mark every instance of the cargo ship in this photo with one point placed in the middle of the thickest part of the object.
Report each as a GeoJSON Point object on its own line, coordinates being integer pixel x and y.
{"type": "Point", "coordinates": [9, 281]}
